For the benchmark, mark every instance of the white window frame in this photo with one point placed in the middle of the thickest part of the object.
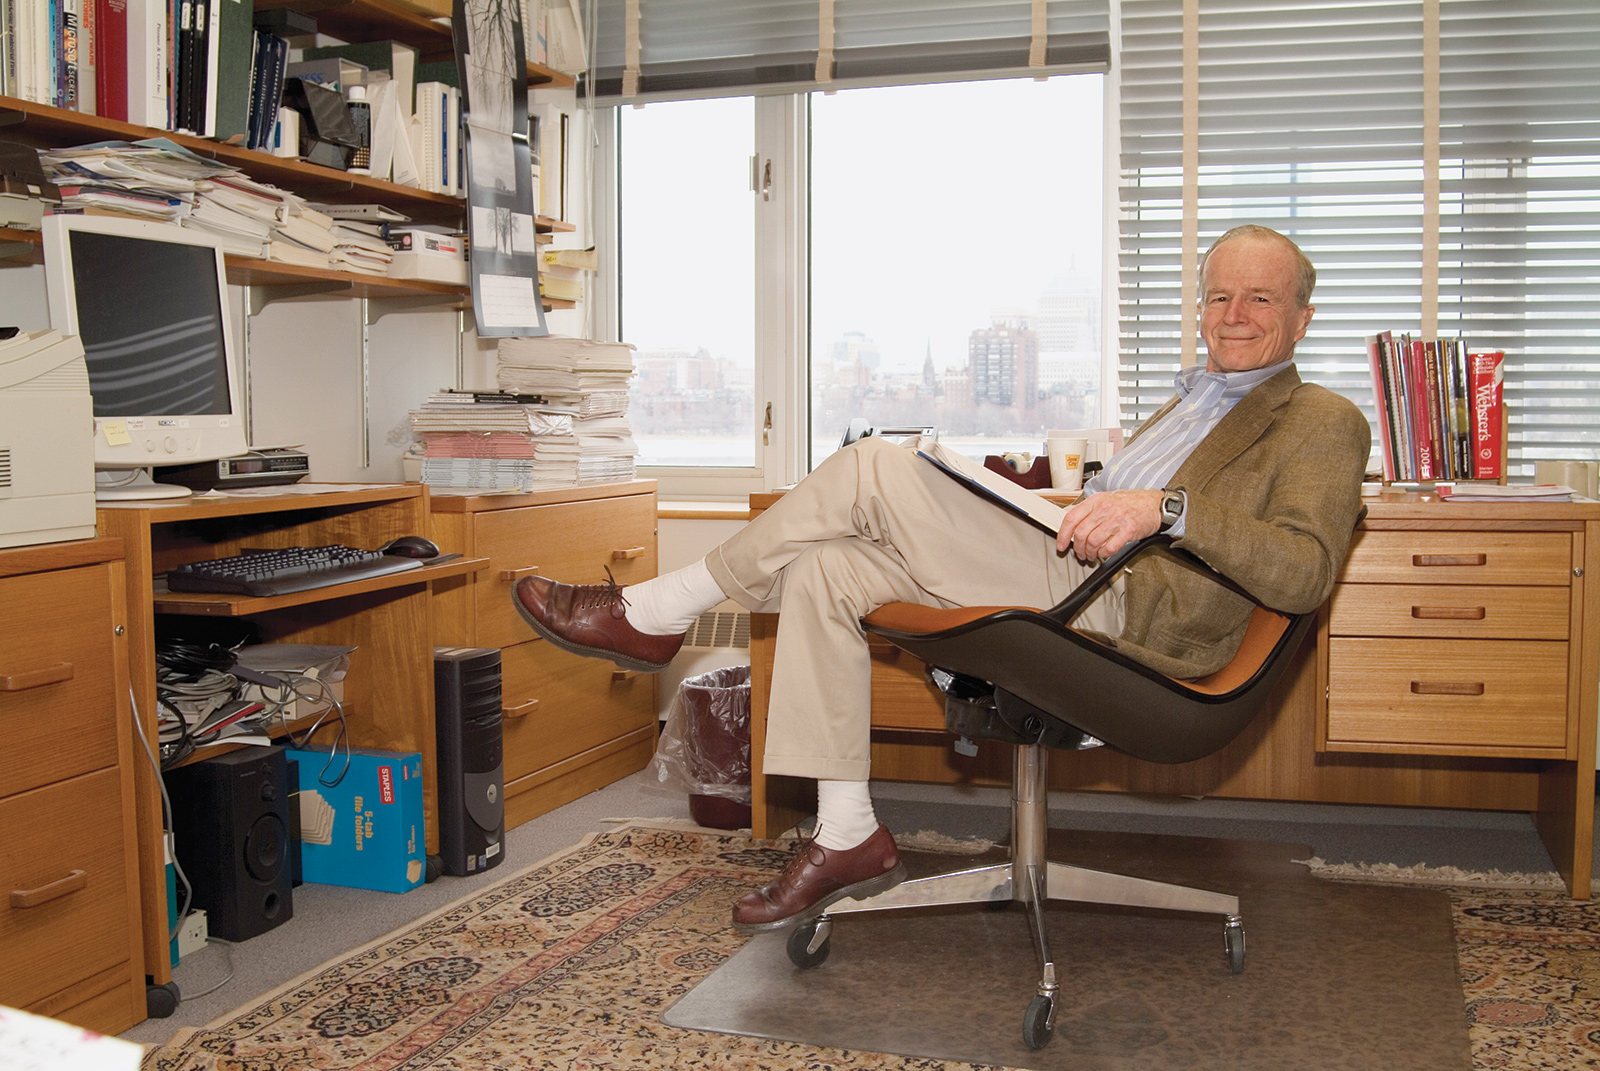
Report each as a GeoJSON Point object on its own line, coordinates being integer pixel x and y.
{"type": "Point", "coordinates": [780, 297]}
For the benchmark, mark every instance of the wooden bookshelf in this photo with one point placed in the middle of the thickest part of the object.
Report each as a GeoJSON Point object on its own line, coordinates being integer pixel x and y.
{"type": "Point", "coordinates": [411, 21]}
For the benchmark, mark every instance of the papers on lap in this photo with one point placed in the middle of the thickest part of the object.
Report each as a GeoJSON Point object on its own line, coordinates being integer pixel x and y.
{"type": "Point", "coordinates": [992, 486]}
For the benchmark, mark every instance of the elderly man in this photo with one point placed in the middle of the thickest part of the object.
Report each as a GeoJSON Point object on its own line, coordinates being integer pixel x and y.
{"type": "Point", "coordinates": [1250, 469]}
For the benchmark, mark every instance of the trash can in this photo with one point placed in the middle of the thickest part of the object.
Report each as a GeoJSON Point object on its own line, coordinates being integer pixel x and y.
{"type": "Point", "coordinates": [705, 747]}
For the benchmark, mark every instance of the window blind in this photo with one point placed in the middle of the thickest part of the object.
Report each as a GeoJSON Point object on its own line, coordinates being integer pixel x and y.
{"type": "Point", "coordinates": [698, 48]}
{"type": "Point", "coordinates": [1313, 121]}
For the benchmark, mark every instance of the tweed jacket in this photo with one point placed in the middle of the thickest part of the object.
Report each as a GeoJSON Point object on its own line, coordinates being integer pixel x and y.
{"type": "Point", "coordinates": [1273, 494]}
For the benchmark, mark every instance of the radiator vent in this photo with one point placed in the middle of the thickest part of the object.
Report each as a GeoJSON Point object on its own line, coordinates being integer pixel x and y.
{"type": "Point", "coordinates": [5, 481]}
{"type": "Point", "coordinates": [719, 629]}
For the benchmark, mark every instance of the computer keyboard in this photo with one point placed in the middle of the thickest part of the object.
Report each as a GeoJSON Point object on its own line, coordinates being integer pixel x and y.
{"type": "Point", "coordinates": [284, 570]}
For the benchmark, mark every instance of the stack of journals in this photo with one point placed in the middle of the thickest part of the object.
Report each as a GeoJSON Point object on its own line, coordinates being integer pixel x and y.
{"type": "Point", "coordinates": [592, 377]}
{"type": "Point", "coordinates": [1439, 408]}
{"type": "Point", "coordinates": [493, 440]}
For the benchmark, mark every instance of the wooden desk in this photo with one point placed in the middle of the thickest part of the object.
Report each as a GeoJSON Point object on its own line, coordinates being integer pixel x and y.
{"type": "Point", "coordinates": [388, 698]}
{"type": "Point", "coordinates": [1506, 592]}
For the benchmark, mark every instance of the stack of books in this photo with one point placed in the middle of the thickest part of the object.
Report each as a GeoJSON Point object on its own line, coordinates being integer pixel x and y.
{"type": "Point", "coordinates": [592, 377]}
{"type": "Point", "coordinates": [496, 440]}
{"type": "Point", "coordinates": [1440, 408]}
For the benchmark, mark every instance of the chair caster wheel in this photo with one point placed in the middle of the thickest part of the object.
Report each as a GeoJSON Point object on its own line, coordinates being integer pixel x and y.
{"type": "Point", "coordinates": [1037, 1022]}
{"type": "Point", "coordinates": [805, 949]}
{"type": "Point", "coordinates": [162, 1000]}
{"type": "Point", "coordinates": [1233, 941]}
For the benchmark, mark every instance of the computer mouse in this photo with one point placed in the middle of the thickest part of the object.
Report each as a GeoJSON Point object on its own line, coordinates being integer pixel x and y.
{"type": "Point", "coordinates": [411, 547]}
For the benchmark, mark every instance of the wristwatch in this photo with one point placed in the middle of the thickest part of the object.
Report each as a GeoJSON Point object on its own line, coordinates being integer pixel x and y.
{"type": "Point", "coordinates": [1172, 503]}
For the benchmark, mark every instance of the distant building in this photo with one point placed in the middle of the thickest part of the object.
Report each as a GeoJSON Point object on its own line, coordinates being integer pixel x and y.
{"type": "Point", "coordinates": [1003, 364]}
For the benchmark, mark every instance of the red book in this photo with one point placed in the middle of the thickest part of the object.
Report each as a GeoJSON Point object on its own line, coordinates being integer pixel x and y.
{"type": "Point", "coordinates": [1484, 375]}
{"type": "Point", "coordinates": [1421, 427]}
{"type": "Point", "coordinates": [111, 58]}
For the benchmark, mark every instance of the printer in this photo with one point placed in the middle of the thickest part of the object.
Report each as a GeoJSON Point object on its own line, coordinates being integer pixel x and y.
{"type": "Point", "coordinates": [46, 440]}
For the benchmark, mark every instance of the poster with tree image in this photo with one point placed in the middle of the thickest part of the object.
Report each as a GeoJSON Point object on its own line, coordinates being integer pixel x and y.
{"type": "Point", "coordinates": [499, 169]}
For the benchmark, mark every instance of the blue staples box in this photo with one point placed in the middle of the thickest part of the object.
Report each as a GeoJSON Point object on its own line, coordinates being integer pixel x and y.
{"type": "Point", "coordinates": [364, 830]}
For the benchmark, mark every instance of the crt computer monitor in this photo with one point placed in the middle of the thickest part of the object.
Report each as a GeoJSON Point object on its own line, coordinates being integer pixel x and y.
{"type": "Point", "coordinates": [149, 301]}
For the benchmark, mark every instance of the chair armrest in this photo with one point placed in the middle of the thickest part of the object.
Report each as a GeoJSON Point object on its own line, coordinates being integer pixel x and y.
{"type": "Point", "coordinates": [1064, 611]}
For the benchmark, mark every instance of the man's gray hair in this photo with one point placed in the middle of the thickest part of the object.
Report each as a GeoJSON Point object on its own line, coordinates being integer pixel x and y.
{"type": "Point", "coordinates": [1305, 277]}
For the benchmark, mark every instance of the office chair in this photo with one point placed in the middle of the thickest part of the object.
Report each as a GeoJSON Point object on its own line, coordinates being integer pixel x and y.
{"type": "Point", "coordinates": [1022, 676]}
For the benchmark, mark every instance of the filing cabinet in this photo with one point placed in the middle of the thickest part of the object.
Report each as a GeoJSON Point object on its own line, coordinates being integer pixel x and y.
{"type": "Point", "coordinates": [70, 934]}
{"type": "Point", "coordinates": [571, 724]}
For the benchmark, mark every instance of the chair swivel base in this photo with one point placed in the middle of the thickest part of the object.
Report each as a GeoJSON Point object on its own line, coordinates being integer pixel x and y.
{"type": "Point", "coordinates": [1030, 879]}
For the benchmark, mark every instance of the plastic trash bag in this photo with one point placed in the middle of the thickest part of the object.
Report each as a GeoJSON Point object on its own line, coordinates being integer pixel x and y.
{"type": "Point", "coordinates": [705, 747]}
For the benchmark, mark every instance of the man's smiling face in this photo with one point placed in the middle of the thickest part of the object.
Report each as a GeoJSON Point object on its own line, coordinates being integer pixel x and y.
{"type": "Point", "coordinates": [1249, 314]}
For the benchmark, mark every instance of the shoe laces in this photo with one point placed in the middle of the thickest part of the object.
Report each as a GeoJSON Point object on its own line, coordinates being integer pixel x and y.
{"type": "Point", "coordinates": [608, 594]}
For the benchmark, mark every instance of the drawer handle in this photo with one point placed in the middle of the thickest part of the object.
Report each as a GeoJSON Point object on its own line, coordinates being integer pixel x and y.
{"type": "Point", "coordinates": [626, 553]}
{"type": "Point", "coordinates": [36, 678]}
{"type": "Point", "coordinates": [620, 675]}
{"type": "Point", "coordinates": [518, 574]}
{"type": "Point", "coordinates": [1448, 613]}
{"type": "Point", "coordinates": [521, 710]}
{"type": "Point", "coordinates": [1425, 560]}
{"type": "Point", "coordinates": [1446, 688]}
{"type": "Point", "coordinates": [73, 882]}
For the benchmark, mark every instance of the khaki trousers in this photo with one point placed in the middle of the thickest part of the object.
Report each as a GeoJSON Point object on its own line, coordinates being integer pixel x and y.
{"type": "Point", "coordinates": [875, 524]}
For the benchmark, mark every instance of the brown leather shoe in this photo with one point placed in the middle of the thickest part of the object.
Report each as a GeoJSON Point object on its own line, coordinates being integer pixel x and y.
{"type": "Point", "coordinates": [817, 877]}
{"type": "Point", "coordinates": [591, 620]}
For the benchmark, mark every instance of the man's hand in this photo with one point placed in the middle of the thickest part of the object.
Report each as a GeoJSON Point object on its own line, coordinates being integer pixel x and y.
{"type": "Point", "coordinates": [1098, 526]}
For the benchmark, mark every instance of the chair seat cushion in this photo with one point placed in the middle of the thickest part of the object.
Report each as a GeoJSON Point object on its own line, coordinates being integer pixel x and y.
{"type": "Point", "coordinates": [916, 619]}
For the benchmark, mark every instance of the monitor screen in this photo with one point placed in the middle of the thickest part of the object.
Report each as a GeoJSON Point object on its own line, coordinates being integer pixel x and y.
{"type": "Point", "coordinates": [150, 304]}
{"type": "Point", "coordinates": [151, 346]}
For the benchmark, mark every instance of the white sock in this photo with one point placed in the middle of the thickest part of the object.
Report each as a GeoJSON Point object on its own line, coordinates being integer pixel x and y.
{"type": "Point", "coordinates": [844, 814]}
{"type": "Point", "coordinates": [668, 605]}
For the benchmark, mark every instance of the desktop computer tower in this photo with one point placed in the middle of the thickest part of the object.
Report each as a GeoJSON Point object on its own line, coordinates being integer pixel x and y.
{"type": "Point", "coordinates": [471, 774]}
{"type": "Point", "coordinates": [230, 832]}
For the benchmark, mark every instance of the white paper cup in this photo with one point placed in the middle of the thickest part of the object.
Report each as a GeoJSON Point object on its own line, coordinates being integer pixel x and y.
{"type": "Point", "coordinates": [1066, 463]}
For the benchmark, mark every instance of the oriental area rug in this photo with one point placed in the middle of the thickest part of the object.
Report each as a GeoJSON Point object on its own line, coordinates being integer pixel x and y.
{"type": "Point", "coordinates": [583, 961]}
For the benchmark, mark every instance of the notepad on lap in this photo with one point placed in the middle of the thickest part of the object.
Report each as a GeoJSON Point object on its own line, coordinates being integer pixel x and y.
{"type": "Point", "coordinates": [992, 486]}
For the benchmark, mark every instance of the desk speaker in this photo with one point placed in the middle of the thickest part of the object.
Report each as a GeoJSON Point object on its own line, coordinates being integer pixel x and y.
{"type": "Point", "coordinates": [471, 773]}
{"type": "Point", "coordinates": [230, 831]}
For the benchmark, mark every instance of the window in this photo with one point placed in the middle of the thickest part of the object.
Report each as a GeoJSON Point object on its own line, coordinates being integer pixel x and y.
{"type": "Point", "coordinates": [691, 290]}
{"type": "Point", "coordinates": [955, 260]}
{"type": "Point", "coordinates": [687, 251]}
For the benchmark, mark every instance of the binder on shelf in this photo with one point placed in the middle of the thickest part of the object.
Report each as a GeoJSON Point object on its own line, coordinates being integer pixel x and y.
{"type": "Point", "coordinates": [111, 80]}
{"type": "Point", "coordinates": [148, 58]}
{"type": "Point", "coordinates": [235, 49]}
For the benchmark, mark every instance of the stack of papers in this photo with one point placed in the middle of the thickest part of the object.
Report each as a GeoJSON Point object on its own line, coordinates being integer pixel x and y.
{"type": "Point", "coordinates": [1494, 492]}
{"type": "Point", "coordinates": [157, 179]}
{"type": "Point", "coordinates": [487, 440]}
{"type": "Point", "coordinates": [559, 419]}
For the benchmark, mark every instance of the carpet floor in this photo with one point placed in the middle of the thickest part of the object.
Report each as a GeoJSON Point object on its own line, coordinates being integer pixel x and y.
{"type": "Point", "coordinates": [572, 962]}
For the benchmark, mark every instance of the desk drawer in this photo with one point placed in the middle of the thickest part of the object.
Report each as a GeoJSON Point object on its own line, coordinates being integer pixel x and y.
{"type": "Point", "coordinates": [573, 542]}
{"type": "Point", "coordinates": [1539, 558]}
{"type": "Point", "coordinates": [1443, 693]}
{"type": "Point", "coordinates": [58, 716]}
{"type": "Point", "coordinates": [566, 705]}
{"type": "Point", "coordinates": [78, 929]}
{"type": "Point", "coordinates": [1448, 610]}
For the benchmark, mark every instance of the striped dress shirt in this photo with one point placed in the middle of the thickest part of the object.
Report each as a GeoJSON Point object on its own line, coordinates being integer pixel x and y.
{"type": "Point", "coordinates": [1150, 460]}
